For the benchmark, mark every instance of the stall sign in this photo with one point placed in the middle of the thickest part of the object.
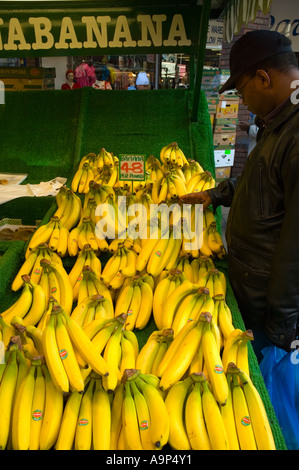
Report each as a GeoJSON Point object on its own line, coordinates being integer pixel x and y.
{"type": "Point", "coordinates": [285, 19]}
{"type": "Point", "coordinates": [132, 167]}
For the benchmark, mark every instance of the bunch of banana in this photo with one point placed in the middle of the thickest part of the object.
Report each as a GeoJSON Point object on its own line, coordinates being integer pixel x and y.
{"type": "Point", "coordinates": [86, 257]}
{"type": "Point", "coordinates": [37, 410]}
{"type": "Point", "coordinates": [120, 265]}
{"type": "Point", "coordinates": [195, 418]}
{"type": "Point", "coordinates": [139, 415]}
{"type": "Point", "coordinates": [86, 420]}
{"type": "Point", "coordinates": [154, 350]}
{"type": "Point", "coordinates": [30, 305]}
{"type": "Point", "coordinates": [56, 283]}
{"type": "Point", "coordinates": [54, 233]}
{"type": "Point", "coordinates": [208, 218]}
{"type": "Point", "coordinates": [249, 412]}
{"type": "Point", "coordinates": [82, 177]}
{"type": "Point", "coordinates": [98, 192]}
{"type": "Point", "coordinates": [108, 175]}
{"type": "Point", "coordinates": [215, 281]}
{"type": "Point", "coordinates": [173, 154]}
{"type": "Point", "coordinates": [200, 181]}
{"type": "Point", "coordinates": [167, 282]}
{"type": "Point", "coordinates": [85, 234]}
{"type": "Point", "coordinates": [214, 239]}
{"type": "Point", "coordinates": [93, 307]}
{"type": "Point", "coordinates": [195, 339]}
{"type": "Point", "coordinates": [235, 349]}
{"type": "Point", "coordinates": [174, 300]}
{"type": "Point", "coordinates": [192, 168]}
{"type": "Point", "coordinates": [66, 348]}
{"type": "Point", "coordinates": [91, 284]}
{"type": "Point", "coordinates": [168, 187]}
{"type": "Point", "coordinates": [105, 158]}
{"type": "Point", "coordinates": [199, 267]}
{"type": "Point", "coordinates": [135, 299]}
{"type": "Point", "coordinates": [69, 207]}
{"type": "Point", "coordinates": [91, 158]}
{"type": "Point", "coordinates": [153, 166]}
{"type": "Point", "coordinates": [191, 307]}
{"type": "Point", "coordinates": [31, 265]}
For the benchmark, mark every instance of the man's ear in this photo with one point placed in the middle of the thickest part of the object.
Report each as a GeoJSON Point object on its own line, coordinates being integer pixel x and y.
{"type": "Point", "coordinates": [264, 78]}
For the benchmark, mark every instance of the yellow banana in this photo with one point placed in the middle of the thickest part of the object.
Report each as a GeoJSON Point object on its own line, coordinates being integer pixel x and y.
{"type": "Point", "coordinates": [130, 421]}
{"type": "Point", "coordinates": [175, 404]}
{"type": "Point", "coordinates": [7, 391]}
{"type": "Point", "coordinates": [26, 268]}
{"type": "Point", "coordinates": [228, 418]}
{"type": "Point", "coordinates": [146, 306]}
{"type": "Point", "coordinates": [37, 307]}
{"type": "Point", "coordinates": [66, 436]}
{"type": "Point", "coordinates": [38, 407]}
{"type": "Point", "coordinates": [83, 435]}
{"type": "Point", "coordinates": [101, 418]}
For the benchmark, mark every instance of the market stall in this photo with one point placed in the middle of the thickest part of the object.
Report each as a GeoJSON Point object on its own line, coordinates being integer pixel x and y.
{"type": "Point", "coordinates": [52, 134]}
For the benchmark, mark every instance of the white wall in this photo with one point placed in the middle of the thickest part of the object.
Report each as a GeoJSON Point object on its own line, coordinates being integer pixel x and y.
{"type": "Point", "coordinates": [60, 64]}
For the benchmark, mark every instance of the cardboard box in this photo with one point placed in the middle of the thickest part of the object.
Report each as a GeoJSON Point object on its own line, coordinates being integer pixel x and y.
{"type": "Point", "coordinates": [227, 139]}
{"type": "Point", "coordinates": [22, 84]}
{"type": "Point", "coordinates": [212, 104]}
{"type": "Point", "coordinates": [226, 125]}
{"type": "Point", "coordinates": [227, 109]}
{"type": "Point", "coordinates": [224, 157]}
{"type": "Point", "coordinates": [222, 173]}
{"type": "Point", "coordinates": [230, 95]}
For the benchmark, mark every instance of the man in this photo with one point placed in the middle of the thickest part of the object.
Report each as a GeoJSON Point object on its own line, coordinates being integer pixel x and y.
{"type": "Point", "coordinates": [263, 224]}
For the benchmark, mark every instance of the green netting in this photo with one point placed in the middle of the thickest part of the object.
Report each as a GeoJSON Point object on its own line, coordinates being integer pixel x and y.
{"type": "Point", "coordinates": [11, 258]}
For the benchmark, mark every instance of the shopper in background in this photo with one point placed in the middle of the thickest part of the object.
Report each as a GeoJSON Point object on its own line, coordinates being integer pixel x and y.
{"type": "Point", "coordinates": [131, 78]}
{"type": "Point", "coordinates": [263, 223]}
{"type": "Point", "coordinates": [103, 79]}
{"type": "Point", "coordinates": [142, 81]}
{"type": "Point", "coordinates": [70, 83]}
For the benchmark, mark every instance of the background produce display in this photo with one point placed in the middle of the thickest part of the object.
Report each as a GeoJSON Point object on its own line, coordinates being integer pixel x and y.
{"type": "Point", "coordinates": [125, 344]}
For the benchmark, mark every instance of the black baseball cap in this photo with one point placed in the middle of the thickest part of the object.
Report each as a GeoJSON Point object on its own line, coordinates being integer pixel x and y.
{"type": "Point", "coordinates": [252, 48]}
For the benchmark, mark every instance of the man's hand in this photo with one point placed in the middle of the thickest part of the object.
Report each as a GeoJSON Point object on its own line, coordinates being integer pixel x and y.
{"type": "Point", "coordinates": [201, 197]}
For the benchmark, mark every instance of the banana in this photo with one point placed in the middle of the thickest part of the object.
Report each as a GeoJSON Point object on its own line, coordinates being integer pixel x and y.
{"type": "Point", "coordinates": [41, 235]}
{"type": "Point", "coordinates": [65, 286]}
{"type": "Point", "coordinates": [260, 423]}
{"type": "Point", "coordinates": [38, 305]}
{"type": "Point", "coordinates": [134, 308]}
{"type": "Point", "coordinates": [214, 365]}
{"type": "Point", "coordinates": [66, 436]}
{"type": "Point", "coordinates": [143, 417]}
{"type": "Point", "coordinates": [8, 331]}
{"type": "Point", "coordinates": [228, 418]}
{"type": "Point", "coordinates": [23, 411]}
{"type": "Point", "coordinates": [112, 355]}
{"type": "Point", "coordinates": [225, 321]}
{"type": "Point", "coordinates": [128, 358]}
{"type": "Point", "coordinates": [52, 355]}
{"type": "Point", "coordinates": [242, 353]}
{"type": "Point", "coordinates": [72, 243]}
{"type": "Point", "coordinates": [175, 404]}
{"type": "Point", "coordinates": [101, 418]}
{"type": "Point", "coordinates": [111, 268]}
{"type": "Point", "coordinates": [183, 357]}
{"type": "Point", "coordinates": [85, 347]}
{"type": "Point", "coordinates": [213, 419]}
{"type": "Point", "coordinates": [130, 421]}
{"type": "Point", "coordinates": [38, 406]}
{"type": "Point", "coordinates": [116, 416]}
{"type": "Point", "coordinates": [163, 346]}
{"type": "Point", "coordinates": [147, 355]}
{"type": "Point", "coordinates": [22, 305]}
{"type": "Point", "coordinates": [83, 435]}
{"type": "Point", "coordinates": [194, 418]}
{"type": "Point", "coordinates": [26, 268]}
{"type": "Point", "coordinates": [68, 357]}
{"type": "Point", "coordinates": [146, 305]}
{"type": "Point", "coordinates": [7, 392]}
{"type": "Point", "coordinates": [53, 413]}
{"type": "Point", "coordinates": [242, 418]}
{"type": "Point", "coordinates": [158, 413]}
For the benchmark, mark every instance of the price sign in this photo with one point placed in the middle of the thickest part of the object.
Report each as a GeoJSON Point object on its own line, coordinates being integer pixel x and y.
{"type": "Point", "coordinates": [132, 167]}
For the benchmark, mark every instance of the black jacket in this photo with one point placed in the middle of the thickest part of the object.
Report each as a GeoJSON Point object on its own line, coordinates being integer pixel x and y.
{"type": "Point", "coordinates": [263, 229]}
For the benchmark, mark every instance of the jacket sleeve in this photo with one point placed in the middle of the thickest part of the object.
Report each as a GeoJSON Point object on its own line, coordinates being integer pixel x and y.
{"type": "Point", "coordinates": [283, 291]}
{"type": "Point", "coordinates": [223, 194]}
